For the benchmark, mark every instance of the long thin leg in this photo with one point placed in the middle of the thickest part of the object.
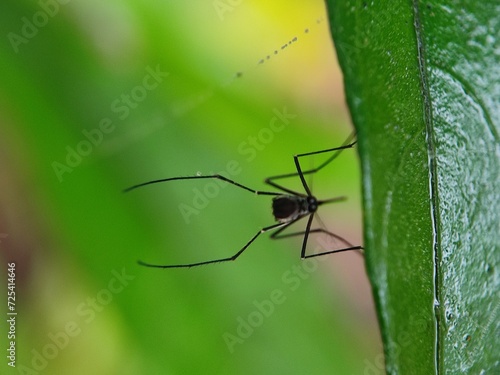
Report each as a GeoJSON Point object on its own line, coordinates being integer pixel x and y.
{"type": "Point", "coordinates": [306, 235]}
{"type": "Point", "coordinates": [322, 229]}
{"type": "Point", "coordinates": [270, 180]}
{"type": "Point", "coordinates": [231, 258]}
{"type": "Point", "coordinates": [334, 251]}
{"type": "Point", "coordinates": [276, 235]}
{"type": "Point", "coordinates": [316, 230]}
{"type": "Point", "coordinates": [215, 176]}
{"type": "Point", "coordinates": [342, 239]}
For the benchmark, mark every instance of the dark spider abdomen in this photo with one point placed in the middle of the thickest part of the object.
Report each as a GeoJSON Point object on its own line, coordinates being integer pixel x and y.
{"type": "Point", "coordinates": [285, 207]}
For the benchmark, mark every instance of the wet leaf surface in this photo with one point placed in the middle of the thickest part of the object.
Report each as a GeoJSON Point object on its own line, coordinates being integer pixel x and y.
{"type": "Point", "coordinates": [422, 83]}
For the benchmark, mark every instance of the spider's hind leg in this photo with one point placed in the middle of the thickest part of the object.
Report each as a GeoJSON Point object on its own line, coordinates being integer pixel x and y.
{"type": "Point", "coordinates": [308, 231]}
{"type": "Point", "coordinates": [348, 143]}
{"type": "Point", "coordinates": [221, 260]}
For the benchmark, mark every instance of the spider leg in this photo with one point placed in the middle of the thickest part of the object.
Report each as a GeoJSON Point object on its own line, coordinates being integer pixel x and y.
{"type": "Point", "coordinates": [306, 236]}
{"type": "Point", "coordinates": [315, 230]}
{"type": "Point", "coordinates": [348, 143]}
{"type": "Point", "coordinates": [231, 258]}
{"type": "Point", "coordinates": [276, 235]}
{"type": "Point", "coordinates": [335, 251]}
{"type": "Point", "coordinates": [215, 176]}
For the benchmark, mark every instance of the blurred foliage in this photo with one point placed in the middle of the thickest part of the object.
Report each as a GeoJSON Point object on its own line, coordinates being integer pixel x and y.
{"type": "Point", "coordinates": [96, 97]}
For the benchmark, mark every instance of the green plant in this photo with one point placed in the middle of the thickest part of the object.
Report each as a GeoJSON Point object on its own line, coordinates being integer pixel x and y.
{"type": "Point", "coordinates": [422, 85]}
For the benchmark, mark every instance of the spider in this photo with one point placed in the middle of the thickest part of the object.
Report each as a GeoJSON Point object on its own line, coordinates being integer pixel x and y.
{"type": "Point", "coordinates": [288, 207]}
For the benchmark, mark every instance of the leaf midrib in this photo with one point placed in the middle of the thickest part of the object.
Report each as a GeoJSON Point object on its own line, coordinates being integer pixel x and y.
{"type": "Point", "coordinates": [433, 179]}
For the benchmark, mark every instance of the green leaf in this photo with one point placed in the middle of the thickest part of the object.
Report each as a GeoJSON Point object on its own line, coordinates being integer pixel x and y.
{"type": "Point", "coordinates": [423, 84]}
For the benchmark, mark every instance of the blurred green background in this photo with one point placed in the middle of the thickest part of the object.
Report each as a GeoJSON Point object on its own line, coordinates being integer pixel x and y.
{"type": "Point", "coordinates": [99, 96]}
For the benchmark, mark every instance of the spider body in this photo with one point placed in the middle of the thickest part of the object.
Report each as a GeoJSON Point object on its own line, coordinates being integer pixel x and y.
{"type": "Point", "coordinates": [287, 208]}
